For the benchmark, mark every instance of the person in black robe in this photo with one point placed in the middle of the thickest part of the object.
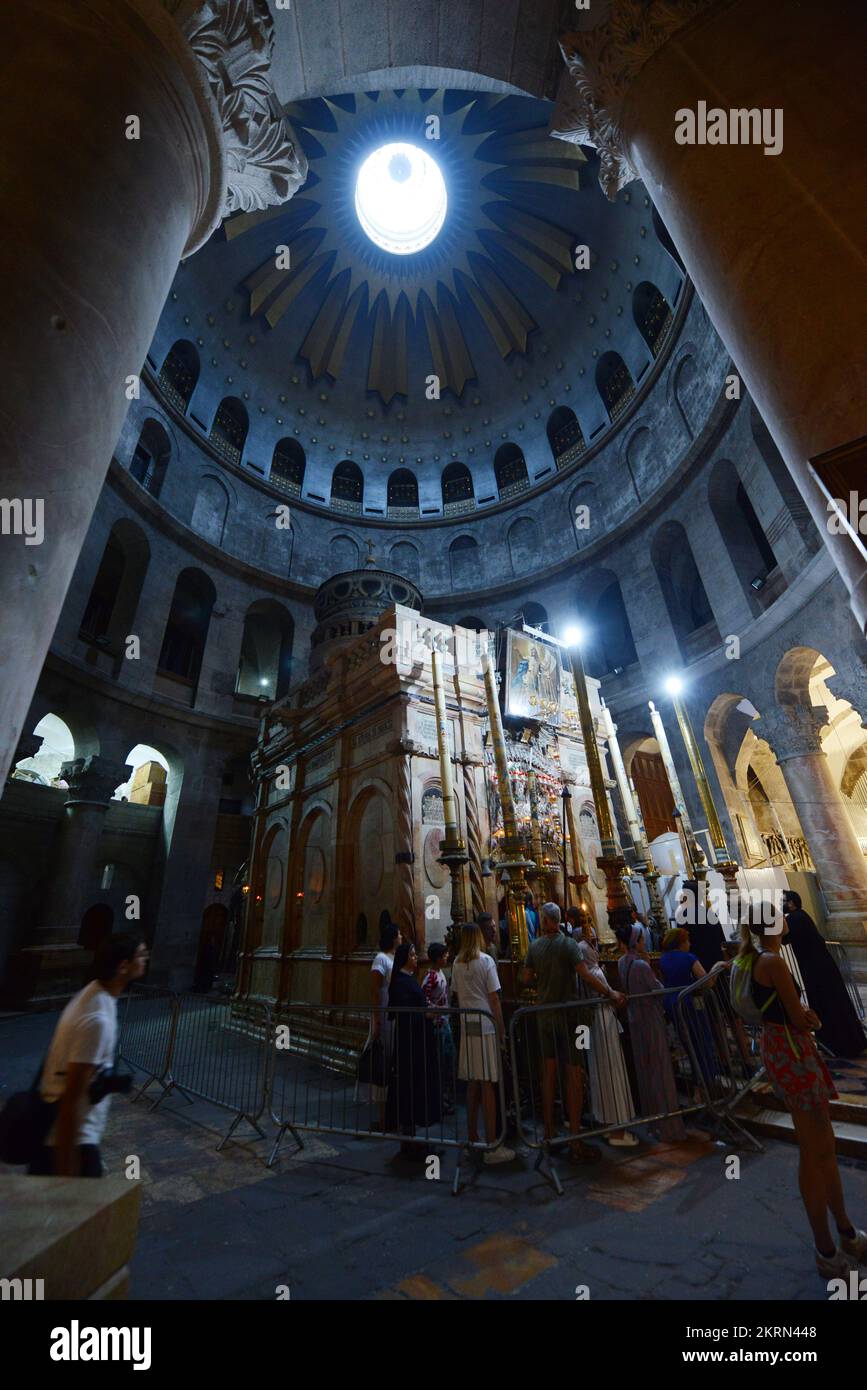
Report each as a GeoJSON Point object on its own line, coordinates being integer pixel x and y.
{"type": "Point", "coordinates": [827, 995]}
{"type": "Point", "coordinates": [707, 939]}
{"type": "Point", "coordinates": [414, 1092]}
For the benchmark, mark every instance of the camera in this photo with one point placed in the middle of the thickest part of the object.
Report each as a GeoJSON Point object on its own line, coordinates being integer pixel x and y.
{"type": "Point", "coordinates": [107, 1083]}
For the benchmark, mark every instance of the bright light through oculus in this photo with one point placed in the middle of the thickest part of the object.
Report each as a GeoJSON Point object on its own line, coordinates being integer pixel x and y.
{"type": "Point", "coordinates": [400, 198]}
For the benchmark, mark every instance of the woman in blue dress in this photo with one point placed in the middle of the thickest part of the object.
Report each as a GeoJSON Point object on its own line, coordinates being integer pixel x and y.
{"type": "Point", "coordinates": [680, 968]}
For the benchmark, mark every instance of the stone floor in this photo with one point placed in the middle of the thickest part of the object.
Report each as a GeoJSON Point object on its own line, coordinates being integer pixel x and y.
{"type": "Point", "coordinates": [349, 1219]}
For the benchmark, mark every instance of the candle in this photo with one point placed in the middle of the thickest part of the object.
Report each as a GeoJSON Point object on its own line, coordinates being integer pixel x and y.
{"type": "Point", "coordinates": [535, 827]}
{"type": "Point", "coordinates": [591, 753]}
{"type": "Point", "coordinates": [717, 837]}
{"type": "Point", "coordinates": [450, 815]}
{"type": "Point", "coordinates": [498, 739]}
{"type": "Point", "coordinates": [623, 786]}
{"type": "Point", "coordinates": [671, 773]}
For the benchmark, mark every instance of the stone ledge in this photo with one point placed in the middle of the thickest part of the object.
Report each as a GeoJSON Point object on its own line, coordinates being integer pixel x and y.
{"type": "Point", "coordinates": [77, 1234]}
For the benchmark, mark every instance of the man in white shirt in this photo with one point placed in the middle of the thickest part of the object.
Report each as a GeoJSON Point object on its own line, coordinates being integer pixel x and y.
{"type": "Point", "coordinates": [83, 1045]}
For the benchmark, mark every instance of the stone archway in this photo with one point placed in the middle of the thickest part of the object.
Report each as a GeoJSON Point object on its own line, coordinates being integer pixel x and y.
{"type": "Point", "coordinates": [475, 46]}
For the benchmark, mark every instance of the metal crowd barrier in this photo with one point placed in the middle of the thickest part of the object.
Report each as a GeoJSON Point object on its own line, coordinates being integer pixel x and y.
{"type": "Point", "coordinates": [146, 1029]}
{"type": "Point", "coordinates": [625, 1068]}
{"type": "Point", "coordinates": [575, 1070]}
{"type": "Point", "coordinates": [413, 1086]}
{"type": "Point", "coordinates": [723, 1050]}
{"type": "Point", "coordinates": [199, 1046]}
{"type": "Point", "coordinates": [221, 1055]}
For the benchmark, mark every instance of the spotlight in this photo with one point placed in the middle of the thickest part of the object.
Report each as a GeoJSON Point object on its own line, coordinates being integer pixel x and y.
{"type": "Point", "coordinates": [674, 685]}
{"type": "Point", "coordinates": [574, 636]}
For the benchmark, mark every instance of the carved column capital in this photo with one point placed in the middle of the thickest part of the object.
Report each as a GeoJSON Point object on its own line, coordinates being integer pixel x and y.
{"type": "Point", "coordinates": [602, 64]}
{"type": "Point", "coordinates": [233, 41]}
{"type": "Point", "coordinates": [850, 683]}
{"type": "Point", "coordinates": [793, 731]}
{"type": "Point", "coordinates": [93, 778]}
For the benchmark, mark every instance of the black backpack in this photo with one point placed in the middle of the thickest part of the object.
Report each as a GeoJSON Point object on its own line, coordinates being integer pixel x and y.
{"type": "Point", "coordinates": [24, 1123]}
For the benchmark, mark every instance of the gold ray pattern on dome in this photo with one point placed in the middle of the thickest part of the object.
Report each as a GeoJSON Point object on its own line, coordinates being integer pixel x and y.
{"type": "Point", "coordinates": [493, 172]}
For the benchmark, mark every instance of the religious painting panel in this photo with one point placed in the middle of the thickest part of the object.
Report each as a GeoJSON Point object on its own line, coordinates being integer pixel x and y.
{"type": "Point", "coordinates": [532, 677]}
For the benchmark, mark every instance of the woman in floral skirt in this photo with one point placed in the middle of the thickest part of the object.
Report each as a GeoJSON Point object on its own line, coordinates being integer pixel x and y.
{"type": "Point", "coordinates": [803, 1083]}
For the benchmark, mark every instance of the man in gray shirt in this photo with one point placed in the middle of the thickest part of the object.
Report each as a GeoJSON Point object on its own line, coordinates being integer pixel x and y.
{"type": "Point", "coordinates": [553, 962]}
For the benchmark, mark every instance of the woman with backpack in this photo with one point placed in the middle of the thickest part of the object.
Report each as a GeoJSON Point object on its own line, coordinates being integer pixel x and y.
{"type": "Point", "coordinates": [763, 989]}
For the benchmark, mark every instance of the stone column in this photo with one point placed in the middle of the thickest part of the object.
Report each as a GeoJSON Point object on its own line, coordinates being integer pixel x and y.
{"type": "Point", "coordinates": [773, 242]}
{"type": "Point", "coordinates": [792, 732]}
{"type": "Point", "coordinates": [51, 966]}
{"type": "Point", "coordinates": [127, 134]}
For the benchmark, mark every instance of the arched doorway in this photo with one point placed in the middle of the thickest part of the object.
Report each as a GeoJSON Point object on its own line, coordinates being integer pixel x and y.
{"type": "Point", "coordinates": [647, 771]}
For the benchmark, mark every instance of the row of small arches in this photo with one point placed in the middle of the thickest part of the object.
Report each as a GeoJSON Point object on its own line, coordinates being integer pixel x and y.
{"type": "Point", "coordinates": [615, 384]}
{"type": "Point", "coordinates": [152, 455]}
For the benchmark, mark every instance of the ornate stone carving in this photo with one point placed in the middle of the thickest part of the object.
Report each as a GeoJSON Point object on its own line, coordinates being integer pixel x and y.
{"type": "Point", "coordinates": [93, 778]}
{"type": "Point", "coordinates": [233, 41]}
{"type": "Point", "coordinates": [602, 63]}
{"type": "Point", "coordinates": [793, 731]}
{"type": "Point", "coordinates": [850, 683]}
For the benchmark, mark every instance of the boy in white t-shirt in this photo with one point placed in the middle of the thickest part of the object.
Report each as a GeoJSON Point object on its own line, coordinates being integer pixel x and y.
{"type": "Point", "coordinates": [83, 1045]}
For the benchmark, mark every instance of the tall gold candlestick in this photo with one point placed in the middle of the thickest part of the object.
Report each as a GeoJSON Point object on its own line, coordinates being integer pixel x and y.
{"type": "Point", "coordinates": [498, 738]}
{"type": "Point", "coordinates": [722, 859]}
{"type": "Point", "coordinates": [453, 852]}
{"type": "Point", "coordinates": [696, 865]}
{"type": "Point", "coordinates": [670, 770]}
{"type": "Point", "coordinates": [644, 860]}
{"type": "Point", "coordinates": [623, 787]}
{"type": "Point", "coordinates": [585, 899]}
{"type": "Point", "coordinates": [450, 814]}
{"type": "Point", "coordinates": [610, 862]}
{"type": "Point", "coordinates": [535, 825]}
{"type": "Point", "coordinates": [513, 865]}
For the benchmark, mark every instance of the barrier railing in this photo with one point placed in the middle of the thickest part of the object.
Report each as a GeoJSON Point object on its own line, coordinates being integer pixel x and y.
{"type": "Point", "coordinates": [723, 1050]}
{"type": "Point", "coordinates": [627, 1068]}
{"type": "Point", "coordinates": [146, 1029]}
{"type": "Point", "coordinates": [577, 1070]}
{"type": "Point", "coordinates": [199, 1046]}
{"type": "Point", "coordinates": [221, 1056]}
{"type": "Point", "coordinates": [412, 1077]}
